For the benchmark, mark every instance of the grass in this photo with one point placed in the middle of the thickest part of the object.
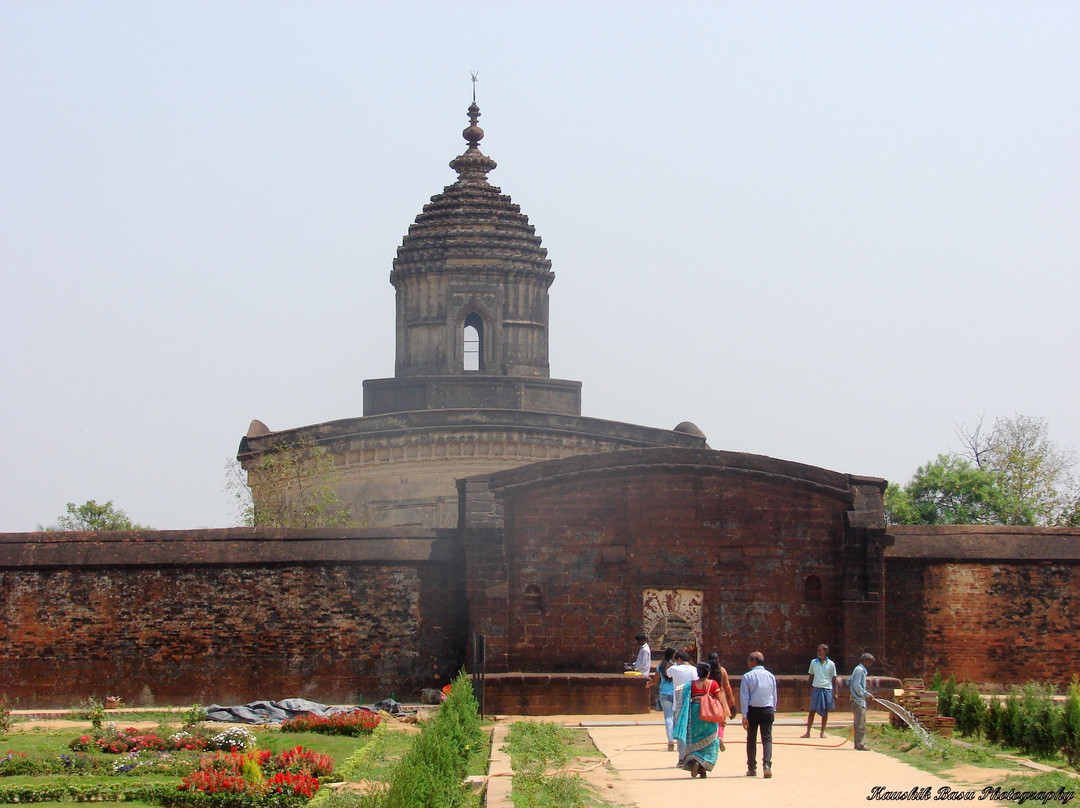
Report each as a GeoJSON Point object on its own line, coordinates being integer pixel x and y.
{"type": "Point", "coordinates": [1059, 782]}
{"type": "Point", "coordinates": [374, 760]}
{"type": "Point", "coordinates": [538, 747]}
{"type": "Point", "coordinates": [902, 745]}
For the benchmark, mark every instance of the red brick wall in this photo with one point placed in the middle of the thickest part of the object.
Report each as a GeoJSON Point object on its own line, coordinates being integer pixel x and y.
{"type": "Point", "coordinates": [995, 620]}
{"type": "Point", "coordinates": [332, 632]}
{"type": "Point", "coordinates": [594, 538]}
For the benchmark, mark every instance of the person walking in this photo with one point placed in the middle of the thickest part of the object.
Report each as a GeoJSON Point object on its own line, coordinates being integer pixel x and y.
{"type": "Point", "coordinates": [700, 737]}
{"type": "Point", "coordinates": [666, 694]}
{"type": "Point", "coordinates": [720, 674]}
{"type": "Point", "coordinates": [859, 696]}
{"type": "Point", "coordinates": [682, 673]}
{"type": "Point", "coordinates": [758, 697]}
{"type": "Point", "coordinates": [822, 686]}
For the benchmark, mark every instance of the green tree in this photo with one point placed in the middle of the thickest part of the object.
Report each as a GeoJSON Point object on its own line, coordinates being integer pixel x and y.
{"type": "Point", "coordinates": [1031, 468]}
{"type": "Point", "coordinates": [952, 491]}
{"type": "Point", "coordinates": [91, 516]}
{"type": "Point", "coordinates": [293, 485]}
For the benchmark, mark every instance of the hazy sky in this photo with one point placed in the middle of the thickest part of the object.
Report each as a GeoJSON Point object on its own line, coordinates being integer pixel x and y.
{"type": "Point", "coordinates": [825, 232]}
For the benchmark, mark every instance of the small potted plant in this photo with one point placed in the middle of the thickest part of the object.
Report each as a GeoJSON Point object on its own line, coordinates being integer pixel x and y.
{"type": "Point", "coordinates": [113, 702]}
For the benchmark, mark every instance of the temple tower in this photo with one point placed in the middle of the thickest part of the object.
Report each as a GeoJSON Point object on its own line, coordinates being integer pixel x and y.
{"type": "Point", "coordinates": [472, 304]}
{"type": "Point", "coordinates": [471, 392]}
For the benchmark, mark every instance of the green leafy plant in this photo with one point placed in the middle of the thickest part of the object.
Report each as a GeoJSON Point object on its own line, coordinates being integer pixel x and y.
{"type": "Point", "coordinates": [193, 716]}
{"type": "Point", "coordinates": [947, 697]}
{"type": "Point", "coordinates": [970, 710]}
{"type": "Point", "coordinates": [5, 714]}
{"type": "Point", "coordinates": [1068, 730]}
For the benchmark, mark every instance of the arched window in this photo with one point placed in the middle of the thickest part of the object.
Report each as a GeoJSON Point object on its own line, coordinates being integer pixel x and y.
{"type": "Point", "coordinates": [812, 589]}
{"type": "Point", "coordinates": [473, 339]}
{"type": "Point", "coordinates": [534, 599]}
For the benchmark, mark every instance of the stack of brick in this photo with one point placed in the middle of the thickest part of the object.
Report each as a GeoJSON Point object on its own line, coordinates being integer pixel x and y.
{"type": "Point", "coordinates": [920, 702]}
{"type": "Point", "coordinates": [923, 705]}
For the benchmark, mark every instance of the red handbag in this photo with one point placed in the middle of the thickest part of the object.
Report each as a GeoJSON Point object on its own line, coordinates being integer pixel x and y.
{"type": "Point", "coordinates": [712, 709]}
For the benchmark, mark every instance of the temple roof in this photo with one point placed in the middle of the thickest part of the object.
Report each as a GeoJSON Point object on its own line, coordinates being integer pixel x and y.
{"type": "Point", "coordinates": [471, 223]}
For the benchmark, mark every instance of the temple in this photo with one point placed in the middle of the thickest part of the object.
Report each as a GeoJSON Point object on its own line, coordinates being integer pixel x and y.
{"type": "Point", "coordinates": [491, 507]}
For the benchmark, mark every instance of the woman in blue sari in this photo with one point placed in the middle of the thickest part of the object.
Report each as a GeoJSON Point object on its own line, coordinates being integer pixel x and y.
{"type": "Point", "coordinates": [666, 696]}
{"type": "Point", "coordinates": [701, 739]}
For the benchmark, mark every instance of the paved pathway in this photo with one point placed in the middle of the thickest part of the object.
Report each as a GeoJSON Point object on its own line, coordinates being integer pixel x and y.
{"type": "Point", "coordinates": [806, 773]}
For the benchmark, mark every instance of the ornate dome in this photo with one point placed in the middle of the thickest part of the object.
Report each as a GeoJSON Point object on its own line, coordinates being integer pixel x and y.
{"type": "Point", "coordinates": [471, 223]}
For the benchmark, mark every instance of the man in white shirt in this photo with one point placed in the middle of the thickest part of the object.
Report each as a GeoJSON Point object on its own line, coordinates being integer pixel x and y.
{"type": "Point", "coordinates": [643, 663]}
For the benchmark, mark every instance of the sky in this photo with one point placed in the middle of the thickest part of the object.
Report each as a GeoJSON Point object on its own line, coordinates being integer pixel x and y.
{"type": "Point", "coordinates": [827, 232]}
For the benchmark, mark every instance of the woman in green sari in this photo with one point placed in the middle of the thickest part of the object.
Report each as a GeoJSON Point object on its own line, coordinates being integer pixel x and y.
{"type": "Point", "coordinates": [701, 739]}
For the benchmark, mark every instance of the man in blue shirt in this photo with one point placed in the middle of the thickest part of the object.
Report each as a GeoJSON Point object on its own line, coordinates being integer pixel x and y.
{"type": "Point", "coordinates": [822, 686]}
{"type": "Point", "coordinates": [758, 698]}
{"type": "Point", "coordinates": [859, 694]}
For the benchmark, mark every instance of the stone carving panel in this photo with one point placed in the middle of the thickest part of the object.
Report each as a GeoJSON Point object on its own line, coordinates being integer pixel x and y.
{"type": "Point", "coordinates": [672, 617]}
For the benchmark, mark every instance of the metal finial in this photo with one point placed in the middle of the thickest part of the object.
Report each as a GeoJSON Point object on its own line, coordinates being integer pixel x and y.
{"type": "Point", "coordinates": [475, 78]}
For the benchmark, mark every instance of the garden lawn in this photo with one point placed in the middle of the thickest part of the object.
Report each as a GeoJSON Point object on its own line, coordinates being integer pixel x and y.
{"type": "Point", "coordinates": [52, 745]}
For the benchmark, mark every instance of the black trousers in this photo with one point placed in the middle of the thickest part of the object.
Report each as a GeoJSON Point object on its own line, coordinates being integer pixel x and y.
{"type": "Point", "coordinates": [759, 718]}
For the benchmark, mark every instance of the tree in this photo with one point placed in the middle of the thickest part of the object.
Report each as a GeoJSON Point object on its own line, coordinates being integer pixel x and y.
{"type": "Point", "coordinates": [1031, 468]}
{"type": "Point", "coordinates": [952, 491]}
{"type": "Point", "coordinates": [91, 516]}
{"type": "Point", "coordinates": [292, 485]}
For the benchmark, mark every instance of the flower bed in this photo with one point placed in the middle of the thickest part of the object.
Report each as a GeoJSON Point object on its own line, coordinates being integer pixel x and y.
{"type": "Point", "coordinates": [291, 776]}
{"type": "Point", "coordinates": [358, 723]}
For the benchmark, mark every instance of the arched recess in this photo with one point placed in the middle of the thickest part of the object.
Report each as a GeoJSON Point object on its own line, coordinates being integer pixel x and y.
{"type": "Point", "coordinates": [534, 598]}
{"type": "Point", "coordinates": [473, 343]}
{"type": "Point", "coordinates": [812, 589]}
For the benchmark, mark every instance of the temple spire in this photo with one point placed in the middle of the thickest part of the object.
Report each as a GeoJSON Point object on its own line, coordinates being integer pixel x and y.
{"type": "Point", "coordinates": [473, 166]}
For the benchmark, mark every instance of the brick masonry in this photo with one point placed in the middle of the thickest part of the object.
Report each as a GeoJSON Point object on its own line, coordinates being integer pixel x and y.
{"type": "Point", "coordinates": [986, 604]}
{"type": "Point", "coordinates": [228, 631]}
{"type": "Point", "coordinates": [551, 562]}
{"type": "Point", "coordinates": [560, 554]}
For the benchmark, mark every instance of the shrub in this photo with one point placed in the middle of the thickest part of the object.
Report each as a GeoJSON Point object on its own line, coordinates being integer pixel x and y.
{"type": "Point", "coordinates": [5, 714]}
{"type": "Point", "coordinates": [1033, 725]}
{"type": "Point", "coordinates": [970, 710]}
{"type": "Point", "coordinates": [16, 763]}
{"type": "Point", "coordinates": [211, 781]}
{"type": "Point", "coordinates": [299, 760]}
{"type": "Point", "coordinates": [1068, 729]}
{"type": "Point", "coordinates": [432, 773]}
{"type": "Point", "coordinates": [90, 710]}
{"type": "Point", "coordinates": [234, 738]}
{"type": "Point", "coordinates": [238, 779]}
{"type": "Point", "coordinates": [296, 784]}
{"type": "Point", "coordinates": [947, 698]}
{"type": "Point", "coordinates": [74, 792]}
{"type": "Point", "coordinates": [193, 716]}
{"type": "Point", "coordinates": [1009, 720]}
{"type": "Point", "coordinates": [992, 720]}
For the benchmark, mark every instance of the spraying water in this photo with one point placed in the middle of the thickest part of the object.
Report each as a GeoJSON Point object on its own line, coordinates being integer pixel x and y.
{"type": "Point", "coordinates": [926, 738]}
